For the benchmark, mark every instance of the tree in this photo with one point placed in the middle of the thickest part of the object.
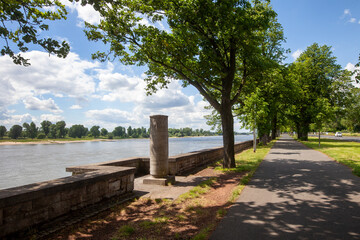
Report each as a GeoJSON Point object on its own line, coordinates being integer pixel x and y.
{"type": "Point", "coordinates": [313, 74]}
{"type": "Point", "coordinates": [78, 131]}
{"type": "Point", "coordinates": [15, 132]}
{"type": "Point", "coordinates": [129, 131]}
{"type": "Point", "coordinates": [212, 45]}
{"type": "Point", "coordinates": [2, 131]}
{"type": "Point", "coordinates": [119, 132]}
{"type": "Point", "coordinates": [352, 112]}
{"type": "Point", "coordinates": [21, 22]}
{"type": "Point", "coordinates": [95, 132]}
{"type": "Point", "coordinates": [104, 132]}
{"type": "Point", "coordinates": [52, 131]}
{"type": "Point", "coordinates": [45, 126]}
{"type": "Point", "coordinates": [60, 129]}
{"type": "Point", "coordinates": [31, 130]}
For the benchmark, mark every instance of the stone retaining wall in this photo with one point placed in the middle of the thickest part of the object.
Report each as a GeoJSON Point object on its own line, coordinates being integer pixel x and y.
{"type": "Point", "coordinates": [187, 162]}
{"type": "Point", "coordinates": [26, 206]}
{"type": "Point", "coordinates": [178, 164]}
{"type": "Point", "coordinates": [29, 205]}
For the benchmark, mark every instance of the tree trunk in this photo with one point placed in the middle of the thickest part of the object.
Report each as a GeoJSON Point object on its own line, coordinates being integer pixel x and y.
{"type": "Point", "coordinates": [303, 131]}
{"type": "Point", "coordinates": [274, 127]}
{"type": "Point", "coordinates": [227, 122]}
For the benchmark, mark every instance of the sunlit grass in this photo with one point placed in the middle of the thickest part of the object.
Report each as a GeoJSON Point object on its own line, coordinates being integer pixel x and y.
{"type": "Point", "coordinates": [347, 153]}
{"type": "Point", "coordinates": [247, 161]}
{"type": "Point", "coordinates": [195, 192]}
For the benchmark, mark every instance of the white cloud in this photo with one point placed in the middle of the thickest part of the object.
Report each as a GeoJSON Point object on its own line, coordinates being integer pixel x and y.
{"type": "Point", "coordinates": [76, 107]}
{"type": "Point", "coordinates": [51, 117]}
{"type": "Point", "coordinates": [10, 120]}
{"type": "Point", "coordinates": [347, 12]}
{"type": "Point", "coordinates": [352, 20]}
{"type": "Point", "coordinates": [34, 103]}
{"type": "Point", "coordinates": [85, 13]}
{"type": "Point", "coordinates": [46, 75]}
{"type": "Point", "coordinates": [296, 54]}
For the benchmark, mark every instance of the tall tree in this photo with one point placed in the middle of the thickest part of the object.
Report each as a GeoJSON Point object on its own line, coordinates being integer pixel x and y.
{"type": "Point", "coordinates": [352, 112]}
{"type": "Point", "coordinates": [60, 129]}
{"type": "Point", "coordinates": [95, 132]}
{"type": "Point", "coordinates": [104, 132]}
{"type": "Point", "coordinates": [314, 75]}
{"type": "Point", "coordinates": [211, 45]}
{"type": "Point", "coordinates": [45, 126]}
{"type": "Point", "coordinates": [21, 23]}
{"type": "Point", "coordinates": [2, 131]}
{"type": "Point", "coordinates": [30, 130]}
{"type": "Point", "coordinates": [77, 131]}
{"type": "Point", "coordinates": [15, 132]}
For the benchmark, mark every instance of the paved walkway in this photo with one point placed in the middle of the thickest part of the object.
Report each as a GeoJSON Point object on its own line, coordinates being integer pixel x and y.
{"type": "Point", "coordinates": [296, 193]}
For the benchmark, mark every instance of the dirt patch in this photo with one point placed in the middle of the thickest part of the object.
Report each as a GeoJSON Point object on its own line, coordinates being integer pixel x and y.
{"type": "Point", "coordinates": [161, 219]}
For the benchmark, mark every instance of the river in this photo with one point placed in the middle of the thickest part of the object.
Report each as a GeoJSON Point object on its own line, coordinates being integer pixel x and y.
{"type": "Point", "coordinates": [31, 163]}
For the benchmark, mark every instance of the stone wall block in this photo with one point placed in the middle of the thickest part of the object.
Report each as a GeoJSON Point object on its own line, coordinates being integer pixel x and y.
{"type": "Point", "coordinates": [1, 217]}
{"type": "Point", "coordinates": [114, 186]}
{"type": "Point", "coordinates": [46, 200]}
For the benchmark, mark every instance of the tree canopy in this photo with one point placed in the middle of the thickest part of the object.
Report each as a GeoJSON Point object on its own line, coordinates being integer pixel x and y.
{"type": "Point", "coordinates": [319, 86]}
{"type": "Point", "coordinates": [21, 23]}
{"type": "Point", "coordinates": [214, 46]}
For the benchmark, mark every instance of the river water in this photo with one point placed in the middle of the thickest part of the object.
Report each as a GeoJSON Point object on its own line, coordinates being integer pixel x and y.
{"type": "Point", "coordinates": [31, 163]}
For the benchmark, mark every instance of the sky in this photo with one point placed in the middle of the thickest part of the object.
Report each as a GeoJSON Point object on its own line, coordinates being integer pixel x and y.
{"type": "Point", "coordinates": [80, 90]}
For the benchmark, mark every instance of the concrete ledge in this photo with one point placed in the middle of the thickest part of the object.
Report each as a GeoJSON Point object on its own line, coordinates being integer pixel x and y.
{"type": "Point", "coordinates": [159, 181]}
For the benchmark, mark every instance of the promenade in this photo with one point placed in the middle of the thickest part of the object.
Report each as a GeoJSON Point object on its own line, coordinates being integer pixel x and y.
{"type": "Point", "coordinates": [296, 193]}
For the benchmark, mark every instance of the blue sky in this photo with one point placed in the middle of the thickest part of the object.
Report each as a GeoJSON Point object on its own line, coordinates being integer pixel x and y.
{"type": "Point", "coordinates": [82, 91]}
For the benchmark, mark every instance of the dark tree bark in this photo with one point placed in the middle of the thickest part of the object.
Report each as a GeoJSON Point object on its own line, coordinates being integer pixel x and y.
{"type": "Point", "coordinates": [274, 127]}
{"type": "Point", "coordinates": [227, 122]}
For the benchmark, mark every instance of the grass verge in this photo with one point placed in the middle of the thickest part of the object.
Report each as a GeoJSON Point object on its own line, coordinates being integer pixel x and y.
{"type": "Point", "coordinates": [347, 153]}
{"type": "Point", "coordinates": [247, 161]}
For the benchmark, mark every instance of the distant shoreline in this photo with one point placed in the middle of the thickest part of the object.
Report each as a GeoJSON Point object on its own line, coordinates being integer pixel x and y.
{"type": "Point", "coordinates": [54, 141]}
{"type": "Point", "coordinates": [59, 141]}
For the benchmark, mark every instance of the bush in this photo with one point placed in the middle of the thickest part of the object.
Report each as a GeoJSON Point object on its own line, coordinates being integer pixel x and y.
{"type": "Point", "coordinates": [41, 136]}
{"type": "Point", "coordinates": [110, 136]}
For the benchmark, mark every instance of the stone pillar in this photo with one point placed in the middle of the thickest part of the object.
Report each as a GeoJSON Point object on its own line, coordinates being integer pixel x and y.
{"type": "Point", "coordinates": [159, 152]}
{"type": "Point", "coordinates": [159, 146]}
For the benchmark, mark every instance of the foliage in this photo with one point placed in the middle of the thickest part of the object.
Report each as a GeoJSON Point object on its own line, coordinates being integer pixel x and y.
{"type": "Point", "coordinates": [31, 130]}
{"type": "Point", "coordinates": [61, 131]}
{"type": "Point", "coordinates": [45, 126]}
{"type": "Point", "coordinates": [317, 80]}
{"type": "Point", "coordinates": [15, 132]}
{"type": "Point", "coordinates": [186, 132]}
{"type": "Point", "coordinates": [347, 153]}
{"type": "Point", "coordinates": [94, 131]}
{"type": "Point", "coordinates": [213, 45]}
{"type": "Point", "coordinates": [2, 131]}
{"type": "Point", "coordinates": [78, 131]}
{"type": "Point", "coordinates": [21, 23]}
{"type": "Point", "coordinates": [104, 132]}
{"type": "Point", "coordinates": [352, 113]}
{"type": "Point", "coordinates": [41, 136]}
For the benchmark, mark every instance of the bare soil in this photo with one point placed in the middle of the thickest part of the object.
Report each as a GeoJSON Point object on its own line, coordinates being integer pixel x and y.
{"type": "Point", "coordinates": [161, 218]}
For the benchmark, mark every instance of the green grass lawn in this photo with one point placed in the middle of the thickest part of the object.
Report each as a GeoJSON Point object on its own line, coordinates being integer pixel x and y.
{"type": "Point", "coordinates": [347, 153]}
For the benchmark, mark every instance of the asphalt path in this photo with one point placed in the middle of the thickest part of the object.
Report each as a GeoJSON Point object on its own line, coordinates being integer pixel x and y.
{"type": "Point", "coordinates": [296, 193]}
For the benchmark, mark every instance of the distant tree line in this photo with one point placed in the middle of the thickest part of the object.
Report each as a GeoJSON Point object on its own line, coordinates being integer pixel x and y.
{"type": "Point", "coordinates": [59, 130]}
